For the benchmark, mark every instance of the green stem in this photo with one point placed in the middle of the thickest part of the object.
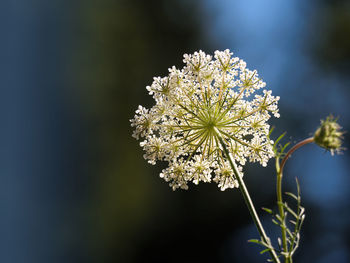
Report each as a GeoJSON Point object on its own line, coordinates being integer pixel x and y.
{"type": "Point", "coordinates": [279, 169]}
{"type": "Point", "coordinates": [248, 201]}
{"type": "Point", "coordinates": [281, 209]}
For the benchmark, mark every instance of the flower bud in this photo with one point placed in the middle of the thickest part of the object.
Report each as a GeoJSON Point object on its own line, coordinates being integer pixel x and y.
{"type": "Point", "coordinates": [329, 136]}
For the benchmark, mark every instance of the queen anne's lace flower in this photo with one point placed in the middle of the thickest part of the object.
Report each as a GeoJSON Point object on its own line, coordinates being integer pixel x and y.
{"type": "Point", "coordinates": [208, 99]}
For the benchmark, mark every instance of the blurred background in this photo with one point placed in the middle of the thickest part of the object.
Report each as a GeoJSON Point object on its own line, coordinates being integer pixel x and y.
{"type": "Point", "coordinates": [74, 185]}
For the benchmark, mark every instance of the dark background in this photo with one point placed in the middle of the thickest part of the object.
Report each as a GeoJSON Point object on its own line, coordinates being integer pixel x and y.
{"type": "Point", "coordinates": [74, 186]}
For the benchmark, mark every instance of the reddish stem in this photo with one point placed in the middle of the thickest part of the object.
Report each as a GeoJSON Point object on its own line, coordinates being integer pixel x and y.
{"type": "Point", "coordinates": [295, 147]}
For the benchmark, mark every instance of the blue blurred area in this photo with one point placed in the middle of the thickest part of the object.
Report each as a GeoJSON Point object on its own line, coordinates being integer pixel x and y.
{"type": "Point", "coordinates": [74, 186]}
{"type": "Point", "coordinates": [40, 135]}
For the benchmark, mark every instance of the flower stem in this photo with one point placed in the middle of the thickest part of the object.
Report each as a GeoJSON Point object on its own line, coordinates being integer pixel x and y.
{"type": "Point", "coordinates": [279, 169]}
{"type": "Point", "coordinates": [249, 202]}
{"type": "Point", "coordinates": [295, 147]}
{"type": "Point", "coordinates": [281, 210]}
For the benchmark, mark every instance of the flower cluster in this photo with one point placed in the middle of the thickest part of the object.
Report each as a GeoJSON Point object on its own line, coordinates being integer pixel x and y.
{"type": "Point", "coordinates": [210, 98]}
{"type": "Point", "coordinates": [329, 135]}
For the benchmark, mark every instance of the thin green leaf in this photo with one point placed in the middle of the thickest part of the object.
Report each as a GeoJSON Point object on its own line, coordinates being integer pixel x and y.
{"type": "Point", "coordinates": [278, 139]}
{"type": "Point", "coordinates": [292, 195]}
{"type": "Point", "coordinates": [279, 218]}
{"type": "Point", "coordinates": [275, 222]}
{"type": "Point", "coordinates": [290, 233]}
{"type": "Point", "coordinates": [267, 210]}
{"type": "Point", "coordinates": [290, 210]}
{"type": "Point", "coordinates": [284, 147]}
{"type": "Point", "coordinates": [298, 185]}
{"type": "Point", "coordinates": [265, 250]}
{"type": "Point", "coordinates": [256, 241]}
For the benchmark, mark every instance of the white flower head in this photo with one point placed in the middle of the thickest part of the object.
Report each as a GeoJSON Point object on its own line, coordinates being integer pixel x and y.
{"type": "Point", "coordinates": [208, 100]}
{"type": "Point", "coordinates": [224, 176]}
